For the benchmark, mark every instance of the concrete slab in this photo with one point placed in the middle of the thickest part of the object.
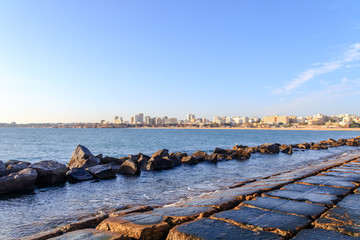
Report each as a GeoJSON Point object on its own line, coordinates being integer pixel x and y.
{"type": "Point", "coordinates": [139, 226]}
{"type": "Point", "coordinates": [350, 202]}
{"type": "Point", "coordinates": [280, 223]}
{"type": "Point", "coordinates": [342, 169]}
{"type": "Point", "coordinates": [235, 192]}
{"type": "Point", "coordinates": [317, 189]}
{"type": "Point", "coordinates": [287, 206]}
{"type": "Point", "coordinates": [355, 176]}
{"type": "Point", "coordinates": [211, 229]}
{"type": "Point", "coordinates": [91, 234]}
{"type": "Point", "coordinates": [342, 220]}
{"type": "Point", "coordinates": [329, 181]}
{"type": "Point", "coordinates": [321, 234]}
{"type": "Point", "coordinates": [304, 196]}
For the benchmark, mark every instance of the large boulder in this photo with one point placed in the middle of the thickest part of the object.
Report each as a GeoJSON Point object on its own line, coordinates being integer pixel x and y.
{"type": "Point", "coordinates": [199, 155]}
{"type": "Point", "coordinates": [82, 157]}
{"type": "Point", "coordinates": [16, 167]}
{"type": "Point", "coordinates": [129, 167]}
{"type": "Point", "coordinates": [353, 142]}
{"type": "Point", "coordinates": [158, 161]}
{"type": "Point", "coordinates": [304, 145]}
{"type": "Point", "coordinates": [102, 171]}
{"type": "Point", "coordinates": [189, 160]}
{"type": "Point", "coordinates": [239, 147]}
{"type": "Point", "coordinates": [106, 160]}
{"type": "Point", "coordinates": [286, 149]}
{"type": "Point", "coordinates": [49, 172]}
{"type": "Point", "coordinates": [212, 158]}
{"type": "Point", "coordinates": [161, 153]}
{"type": "Point", "coordinates": [144, 163]}
{"type": "Point", "coordinates": [316, 146]}
{"type": "Point", "coordinates": [252, 149]}
{"type": "Point", "coordinates": [269, 148]}
{"type": "Point", "coordinates": [20, 181]}
{"type": "Point", "coordinates": [176, 157]}
{"type": "Point", "coordinates": [11, 162]}
{"type": "Point", "coordinates": [223, 151]}
{"type": "Point", "coordinates": [78, 175]}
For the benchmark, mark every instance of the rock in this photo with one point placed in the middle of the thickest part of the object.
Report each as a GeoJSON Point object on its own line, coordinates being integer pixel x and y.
{"type": "Point", "coordinates": [252, 149]}
{"type": "Point", "coordinates": [240, 154]}
{"type": "Point", "coordinates": [99, 156]}
{"type": "Point", "coordinates": [352, 142]}
{"type": "Point", "coordinates": [78, 175]}
{"type": "Point", "coordinates": [189, 160]}
{"type": "Point", "coordinates": [304, 145]}
{"type": "Point", "coordinates": [199, 155]}
{"type": "Point", "coordinates": [212, 158]}
{"type": "Point", "coordinates": [174, 160]}
{"type": "Point", "coordinates": [107, 160]}
{"type": "Point", "coordinates": [49, 172]}
{"type": "Point", "coordinates": [239, 147]}
{"type": "Point", "coordinates": [129, 167]}
{"type": "Point", "coordinates": [221, 157]}
{"type": "Point", "coordinates": [223, 151]}
{"type": "Point", "coordinates": [316, 146]}
{"type": "Point", "coordinates": [20, 181]}
{"type": "Point", "coordinates": [16, 167]}
{"type": "Point", "coordinates": [286, 149]}
{"type": "Point", "coordinates": [144, 163]}
{"type": "Point", "coordinates": [3, 170]}
{"type": "Point", "coordinates": [82, 157]}
{"type": "Point", "coordinates": [342, 141]}
{"type": "Point", "coordinates": [10, 162]}
{"type": "Point", "coordinates": [161, 163]}
{"type": "Point", "coordinates": [161, 153]}
{"type": "Point", "coordinates": [176, 157]}
{"type": "Point", "coordinates": [269, 148]}
{"type": "Point", "coordinates": [102, 171]}
{"type": "Point", "coordinates": [89, 222]}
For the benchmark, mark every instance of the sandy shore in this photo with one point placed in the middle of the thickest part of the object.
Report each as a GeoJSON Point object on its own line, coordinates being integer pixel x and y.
{"type": "Point", "coordinates": [312, 128]}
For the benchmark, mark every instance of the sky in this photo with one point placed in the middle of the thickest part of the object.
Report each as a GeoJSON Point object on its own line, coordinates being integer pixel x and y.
{"type": "Point", "coordinates": [83, 61]}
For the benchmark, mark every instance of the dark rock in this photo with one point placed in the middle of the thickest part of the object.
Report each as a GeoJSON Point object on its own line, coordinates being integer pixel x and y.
{"type": "Point", "coordinates": [161, 153]}
{"type": "Point", "coordinates": [89, 222]}
{"type": "Point", "coordinates": [342, 141]}
{"type": "Point", "coordinates": [11, 162]}
{"type": "Point", "coordinates": [107, 160]}
{"type": "Point", "coordinates": [199, 155]}
{"type": "Point", "coordinates": [223, 151]}
{"type": "Point", "coordinates": [138, 226]}
{"type": "Point", "coordinates": [78, 175]}
{"type": "Point", "coordinates": [144, 163]}
{"type": "Point", "coordinates": [129, 167]}
{"type": "Point", "coordinates": [352, 142]}
{"type": "Point", "coordinates": [212, 158]}
{"type": "Point", "coordinates": [269, 148]}
{"type": "Point", "coordinates": [189, 160]}
{"type": "Point", "coordinates": [176, 158]}
{"type": "Point", "coordinates": [99, 156]}
{"type": "Point", "coordinates": [20, 181]}
{"type": "Point", "coordinates": [102, 171]}
{"type": "Point", "coordinates": [215, 229]}
{"type": "Point", "coordinates": [82, 157]}
{"type": "Point", "coordinates": [49, 172]}
{"type": "Point", "coordinates": [161, 163]}
{"type": "Point", "coordinates": [286, 149]}
{"type": "Point", "coordinates": [16, 167]}
{"type": "Point", "coordinates": [222, 157]}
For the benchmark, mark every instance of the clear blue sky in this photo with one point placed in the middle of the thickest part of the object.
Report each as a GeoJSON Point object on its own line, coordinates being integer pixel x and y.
{"type": "Point", "coordinates": [71, 61]}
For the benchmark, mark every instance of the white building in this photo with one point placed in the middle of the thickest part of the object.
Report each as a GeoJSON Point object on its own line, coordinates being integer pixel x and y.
{"type": "Point", "coordinates": [139, 118]}
{"type": "Point", "coordinates": [190, 117]}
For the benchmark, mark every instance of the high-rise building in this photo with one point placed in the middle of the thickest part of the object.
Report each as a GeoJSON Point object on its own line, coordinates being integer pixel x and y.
{"type": "Point", "coordinates": [118, 120]}
{"type": "Point", "coordinates": [147, 120]}
{"type": "Point", "coordinates": [190, 117]}
{"type": "Point", "coordinates": [139, 118]}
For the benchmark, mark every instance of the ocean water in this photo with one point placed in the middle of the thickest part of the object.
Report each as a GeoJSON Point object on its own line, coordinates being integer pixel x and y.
{"type": "Point", "coordinates": [46, 208]}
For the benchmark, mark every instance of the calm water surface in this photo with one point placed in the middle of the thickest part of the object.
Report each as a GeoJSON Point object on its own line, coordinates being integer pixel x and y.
{"type": "Point", "coordinates": [46, 208]}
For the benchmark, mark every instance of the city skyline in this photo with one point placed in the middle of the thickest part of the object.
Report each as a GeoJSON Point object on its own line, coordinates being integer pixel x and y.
{"type": "Point", "coordinates": [170, 58]}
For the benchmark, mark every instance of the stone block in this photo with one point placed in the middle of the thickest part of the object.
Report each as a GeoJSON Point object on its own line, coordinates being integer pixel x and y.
{"type": "Point", "coordinates": [317, 189]}
{"type": "Point", "coordinates": [92, 234]}
{"type": "Point", "coordinates": [304, 196]}
{"type": "Point", "coordinates": [280, 223]}
{"type": "Point", "coordinates": [211, 229]}
{"type": "Point", "coordinates": [329, 181]}
{"type": "Point", "coordinates": [138, 226]}
{"type": "Point", "coordinates": [222, 203]}
{"type": "Point", "coordinates": [287, 206]}
{"type": "Point", "coordinates": [321, 234]}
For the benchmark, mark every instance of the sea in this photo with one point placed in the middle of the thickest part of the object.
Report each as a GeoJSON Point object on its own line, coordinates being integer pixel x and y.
{"type": "Point", "coordinates": [46, 208]}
